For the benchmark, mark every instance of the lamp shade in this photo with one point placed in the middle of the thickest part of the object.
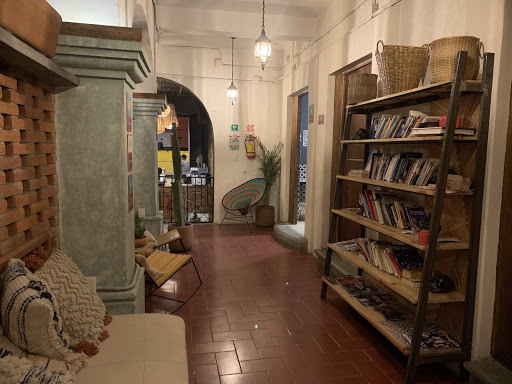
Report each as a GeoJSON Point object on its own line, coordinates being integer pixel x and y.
{"type": "Point", "coordinates": [232, 93]}
{"type": "Point", "coordinates": [263, 49]}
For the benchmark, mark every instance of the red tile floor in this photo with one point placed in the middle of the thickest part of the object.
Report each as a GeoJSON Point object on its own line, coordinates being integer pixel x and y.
{"type": "Point", "coordinates": [258, 318]}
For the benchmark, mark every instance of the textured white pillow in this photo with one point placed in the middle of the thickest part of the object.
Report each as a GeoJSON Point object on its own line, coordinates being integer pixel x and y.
{"type": "Point", "coordinates": [30, 316]}
{"type": "Point", "coordinates": [16, 370]}
{"type": "Point", "coordinates": [81, 309]}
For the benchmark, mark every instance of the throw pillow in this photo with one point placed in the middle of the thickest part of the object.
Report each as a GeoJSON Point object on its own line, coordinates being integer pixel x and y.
{"type": "Point", "coordinates": [16, 370]}
{"type": "Point", "coordinates": [81, 309]}
{"type": "Point", "coordinates": [154, 273]}
{"type": "Point", "coordinates": [7, 345]}
{"type": "Point", "coordinates": [30, 316]}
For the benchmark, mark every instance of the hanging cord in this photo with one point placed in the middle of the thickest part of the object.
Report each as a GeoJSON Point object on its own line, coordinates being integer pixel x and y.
{"type": "Point", "coordinates": [263, 24]}
{"type": "Point", "coordinates": [232, 55]}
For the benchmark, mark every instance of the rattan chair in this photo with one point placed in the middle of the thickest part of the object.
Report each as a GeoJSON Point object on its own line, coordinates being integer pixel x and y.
{"type": "Point", "coordinates": [239, 201]}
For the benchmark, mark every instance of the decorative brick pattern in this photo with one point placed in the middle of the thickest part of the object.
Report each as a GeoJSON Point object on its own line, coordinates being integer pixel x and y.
{"type": "Point", "coordinates": [28, 174]}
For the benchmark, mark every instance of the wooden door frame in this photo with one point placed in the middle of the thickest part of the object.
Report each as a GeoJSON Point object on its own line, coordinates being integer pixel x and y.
{"type": "Point", "coordinates": [295, 157]}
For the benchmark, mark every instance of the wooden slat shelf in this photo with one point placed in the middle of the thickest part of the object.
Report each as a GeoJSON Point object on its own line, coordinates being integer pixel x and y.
{"type": "Point", "coordinates": [424, 94]}
{"type": "Point", "coordinates": [396, 233]}
{"type": "Point", "coordinates": [394, 283]}
{"type": "Point", "coordinates": [411, 140]}
{"type": "Point", "coordinates": [398, 186]}
{"type": "Point", "coordinates": [374, 319]}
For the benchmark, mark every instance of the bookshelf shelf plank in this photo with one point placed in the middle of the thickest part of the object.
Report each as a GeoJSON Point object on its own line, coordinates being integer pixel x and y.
{"type": "Point", "coordinates": [394, 283]}
{"type": "Point", "coordinates": [411, 140]}
{"type": "Point", "coordinates": [398, 186]}
{"type": "Point", "coordinates": [396, 233]}
{"type": "Point", "coordinates": [374, 318]}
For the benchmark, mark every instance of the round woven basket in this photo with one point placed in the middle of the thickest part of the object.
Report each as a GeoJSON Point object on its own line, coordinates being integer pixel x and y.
{"type": "Point", "coordinates": [361, 87]}
{"type": "Point", "coordinates": [443, 57]}
{"type": "Point", "coordinates": [401, 67]}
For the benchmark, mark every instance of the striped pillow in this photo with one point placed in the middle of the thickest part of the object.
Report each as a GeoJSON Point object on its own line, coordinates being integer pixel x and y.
{"type": "Point", "coordinates": [30, 316]}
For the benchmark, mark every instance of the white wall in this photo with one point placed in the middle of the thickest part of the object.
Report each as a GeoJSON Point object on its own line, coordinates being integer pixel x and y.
{"type": "Point", "coordinates": [349, 31]}
{"type": "Point", "coordinates": [207, 73]}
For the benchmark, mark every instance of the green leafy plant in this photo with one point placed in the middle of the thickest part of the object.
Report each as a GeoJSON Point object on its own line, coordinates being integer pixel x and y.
{"type": "Point", "coordinates": [139, 228]}
{"type": "Point", "coordinates": [177, 190]}
{"type": "Point", "coordinates": [270, 167]}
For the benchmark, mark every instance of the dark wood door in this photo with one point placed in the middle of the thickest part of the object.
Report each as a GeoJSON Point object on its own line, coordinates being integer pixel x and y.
{"type": "Point", "coordinates": [355, 153]}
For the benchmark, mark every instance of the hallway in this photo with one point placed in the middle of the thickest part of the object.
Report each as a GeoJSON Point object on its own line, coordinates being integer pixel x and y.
{"type": "Point", "coordinates": [258, 318]}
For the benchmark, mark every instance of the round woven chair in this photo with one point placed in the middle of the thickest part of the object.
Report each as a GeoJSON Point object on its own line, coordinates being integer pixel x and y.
{"type": "Point", "coordinates": [239, 201]}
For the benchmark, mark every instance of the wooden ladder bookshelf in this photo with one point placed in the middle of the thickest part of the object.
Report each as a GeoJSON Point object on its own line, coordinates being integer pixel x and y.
{"type": "Point", "coordinates": [454, 310]}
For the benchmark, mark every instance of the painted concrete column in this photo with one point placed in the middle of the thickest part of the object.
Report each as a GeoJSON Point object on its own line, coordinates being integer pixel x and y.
{"type": "Point", "coordinates": [145, 158]}
{"type": "Point", "coordinates": [92, 130]}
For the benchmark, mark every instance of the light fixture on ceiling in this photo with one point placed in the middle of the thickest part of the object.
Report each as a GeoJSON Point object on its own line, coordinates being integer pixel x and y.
{"type": "Point", "coordinates": [232, 90]}
{"type": "Point", "coordinates": [263, 47]}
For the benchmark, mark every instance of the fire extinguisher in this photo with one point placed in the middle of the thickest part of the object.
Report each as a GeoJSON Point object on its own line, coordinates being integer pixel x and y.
{"type": "Point", "coordinates": [250, 146]}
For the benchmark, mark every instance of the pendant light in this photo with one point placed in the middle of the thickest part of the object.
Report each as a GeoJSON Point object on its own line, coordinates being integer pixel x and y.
{"type": "Point", "coordinates": [232, 90]}
{"type": "Point", "coordinates": [263, 47]}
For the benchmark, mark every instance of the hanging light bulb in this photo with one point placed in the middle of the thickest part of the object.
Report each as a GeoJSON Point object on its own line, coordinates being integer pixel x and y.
{"type": "Point", "coordinates": [263, 48]}
{"type": "Point", "coordinates": [232, 90]}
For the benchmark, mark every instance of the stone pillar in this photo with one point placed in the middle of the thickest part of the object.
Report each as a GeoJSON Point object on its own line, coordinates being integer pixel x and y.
{"type": "Point", "coordinates": [96, 222]}
{"type": "Point", "coordinates": [146, 108]}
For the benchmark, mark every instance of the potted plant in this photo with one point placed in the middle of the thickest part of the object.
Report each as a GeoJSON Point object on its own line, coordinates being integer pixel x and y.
{"type": "Point", "coordinates": [270, 168]}
{"type": "Point", "coordinates": [185, 230]}
{"type": "Point", "coordinates": [140, 239]}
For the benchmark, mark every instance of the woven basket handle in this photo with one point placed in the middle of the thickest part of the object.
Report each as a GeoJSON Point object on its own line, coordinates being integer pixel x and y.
{"type": "Point", "coordinates": [380, 42]}
{"type": "Point", "coordinates": [481, 49]}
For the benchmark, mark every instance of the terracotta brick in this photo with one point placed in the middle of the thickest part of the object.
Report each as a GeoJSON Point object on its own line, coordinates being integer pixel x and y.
{"type": "Point", "coordinates": [52, 158]}
{"type": "Point", "coordinates": [54, 221]}
{"type": "Point", "coordinates": [4, 233]}
{"type": "Point", "coordinates": [36, 230]}
{"type": "Point", "coordinates": [47, 214]}
{"type": "Point", "coordinates": [2, 148]}
{"type": "Point", "coordinates": [37, 207]}
{"type": "Point", "coordinates": [33, 160]}
{"type": "Point", "coordinates": [49, 95]}
{"type": "Point", "coordinates": [52, 179]}
{"type": "Point", "coordinates": [53, 232]}
{"type": "Point", "coordinates": [10, 162]}
{"type": "Point", "coordinates": [50, 137]}
{"type": "Point", "coordinates": [45, 148]}
{"type": "Point", "coordinates": [12, 243]}
{"type": "Point", "coordinates": [3, 178]}
{"type": "Point", "coordinates": [44, 126]}
{"type": "Point", "coordinates": [15, 122]}
{"type": "Point", "coordinates": [33, 137]}
{"type": "Point", "coordinates": [54, 201]}
{"type": "Point", "coordinates": [20, 174]}
{"type": "Point", "coordinates": [26, 87]}
{"type": "Point", "coordinates": [3, 206]}
{"type": "Point", "coordinates": [45, 86]}
{"type": "Point", "coordinates": [18, 73]}
{"type": "Point", "coordinates": [12, 216]}
{"type": "Point", "coordinates": [49, 116]}
{"type": "Point", "coordinates": [22, 225]}
{"type": "Point", "coordinates": [10, 95]}
{"type": "Point", "coordinates": [20, 149]}
{"type": "Point", "coordinates": [9, 108]}
{"type": "Point", "coordinates": [33, 184]}
{"type": "Point", "coordinates": [47, 192]}
{"type": "Point", "coordinates": [11, 189]}
{"type": "Point", "coordinates": [46, 170]}
{"type": "Point", "coordinates": [8, 82]}
{"type": "Point", "coordinates": [22, 200]}
{"type": "Point", "coordinates": [2, 122]}
{"type": "Point", "coordinates": [10, 135]}
{"type": "Point", "coordinates": [44, 104]}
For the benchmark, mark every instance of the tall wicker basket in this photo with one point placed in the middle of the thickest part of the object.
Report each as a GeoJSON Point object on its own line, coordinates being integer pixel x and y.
{"type": "Point", "coordinates": [443, 57]}
{"type": "Point", "coordinates": [400, 67]}
{"type": "Point", "coordinates": [361, 87]}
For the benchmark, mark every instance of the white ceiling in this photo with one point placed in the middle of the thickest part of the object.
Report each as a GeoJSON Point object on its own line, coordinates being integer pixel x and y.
{"type": "Point", "coordinates": [304, 8]}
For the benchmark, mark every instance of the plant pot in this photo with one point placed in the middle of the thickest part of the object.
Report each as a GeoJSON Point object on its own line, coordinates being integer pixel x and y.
{"type": "Point", "coordinates": [33, 21]}
{"type": "Point", "coordinates": [265, 216]}
{"type": "Point", "coordinates": [141, 242]}
{"type": "Point", "coordinates": [187, 236]}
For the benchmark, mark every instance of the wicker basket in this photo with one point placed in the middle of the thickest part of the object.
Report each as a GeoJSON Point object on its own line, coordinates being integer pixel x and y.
{"type": "Point", "coordinates": [361, 87]}
{"type": "Point", "coordinates": [400, 67]}
{"type": "Point", "coordinates": [443, 57]}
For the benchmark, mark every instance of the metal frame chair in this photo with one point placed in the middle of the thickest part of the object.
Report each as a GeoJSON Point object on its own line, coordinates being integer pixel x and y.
{"type": "Point", "coordinates": [242, 199]}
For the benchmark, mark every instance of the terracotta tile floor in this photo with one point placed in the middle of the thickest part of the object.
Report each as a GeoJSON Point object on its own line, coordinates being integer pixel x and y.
{"type": "Point", "coordinates": [258, 318]}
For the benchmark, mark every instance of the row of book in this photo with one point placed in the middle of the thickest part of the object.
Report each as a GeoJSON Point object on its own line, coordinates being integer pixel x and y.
{"type": "Point", "coordinates": [406, 167]}
{"type": "Point", "coordinates": [386, 208]}
{"type": "Point", "coordinates": [402, 261]}
{"type": "Point", "coordinates": [416, 123]}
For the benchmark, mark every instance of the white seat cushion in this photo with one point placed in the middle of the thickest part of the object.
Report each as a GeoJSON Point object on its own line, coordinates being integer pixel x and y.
{"type": "Point", "coordinates": [142, 349]}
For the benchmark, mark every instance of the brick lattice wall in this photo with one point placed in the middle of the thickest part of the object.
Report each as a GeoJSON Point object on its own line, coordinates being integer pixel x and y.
{"type": "Point", "coordinates": [28, 173]}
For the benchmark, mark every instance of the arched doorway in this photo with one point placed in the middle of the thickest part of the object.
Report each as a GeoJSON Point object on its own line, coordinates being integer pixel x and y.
{"type": "Point", "coordinates": [196, 143]}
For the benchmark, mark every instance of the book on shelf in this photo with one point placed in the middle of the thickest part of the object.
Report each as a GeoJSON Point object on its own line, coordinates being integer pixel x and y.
{"type": "Point", "coordinates": [358, 286]}
{"type": "Point", "coordinates": [362, 173]}
{"type": "Point", "coordinates": [409, 260]}
{"type": "Point", "coordinates": [440, 131]}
